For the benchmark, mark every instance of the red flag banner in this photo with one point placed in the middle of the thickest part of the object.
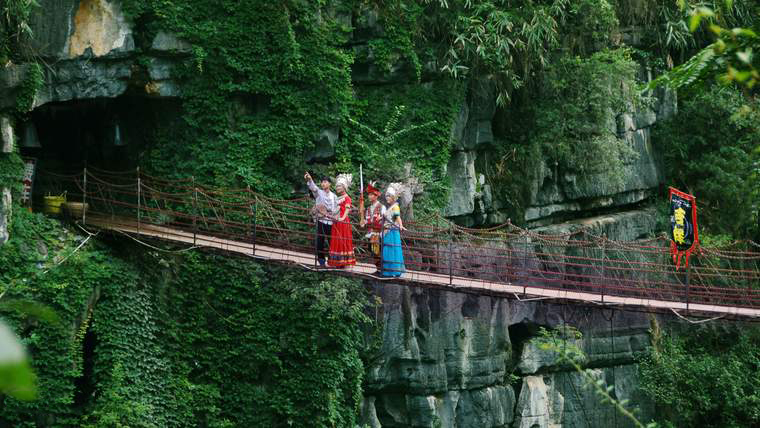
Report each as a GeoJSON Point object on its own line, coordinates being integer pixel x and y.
{"type": "Point", "coordinates": [683, 226]}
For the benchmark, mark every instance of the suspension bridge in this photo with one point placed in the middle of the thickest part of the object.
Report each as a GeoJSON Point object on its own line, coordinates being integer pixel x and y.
{"type": "Point", "coordinates": [576, 267]}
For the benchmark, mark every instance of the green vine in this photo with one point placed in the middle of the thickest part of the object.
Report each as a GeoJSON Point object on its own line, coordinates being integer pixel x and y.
{"type": "Point", "coordinates": [28, 89]}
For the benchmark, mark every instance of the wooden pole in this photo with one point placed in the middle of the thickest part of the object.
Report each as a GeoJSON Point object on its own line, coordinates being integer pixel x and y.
{"type": "Point", "coordinates": [139, 185]}
{"type": "Point", "coordinates": [84, 197]}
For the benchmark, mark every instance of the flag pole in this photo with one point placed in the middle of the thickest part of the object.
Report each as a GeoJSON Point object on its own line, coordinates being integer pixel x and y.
{"type": "Point", "coordinates": [361, 192]}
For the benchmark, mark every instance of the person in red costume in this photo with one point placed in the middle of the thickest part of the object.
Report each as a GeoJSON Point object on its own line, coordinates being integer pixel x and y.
{"type": "Point", "coordinates": [373, 221]}
{"type": "Point", "coordinates": [341, 240]}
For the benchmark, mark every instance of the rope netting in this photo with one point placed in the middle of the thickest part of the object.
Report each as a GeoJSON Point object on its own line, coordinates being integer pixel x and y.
{"type": "Point", "coordinates": [578, 260]}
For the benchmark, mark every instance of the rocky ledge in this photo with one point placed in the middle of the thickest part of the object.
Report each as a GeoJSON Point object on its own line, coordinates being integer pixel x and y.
{"type": "Point", "coordinates": [452, 359]}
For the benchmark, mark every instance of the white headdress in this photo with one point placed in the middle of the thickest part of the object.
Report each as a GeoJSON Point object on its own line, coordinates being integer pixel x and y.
{"type": "Point", "coordinates": [392, 190]}
{"type": "Point", "coordinates": [344, 180]}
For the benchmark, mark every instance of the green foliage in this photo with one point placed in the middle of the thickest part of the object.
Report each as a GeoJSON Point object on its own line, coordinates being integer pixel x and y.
{"type": "Point", "coordinates": [572, 115]}
{"type": "Point", "coordinates": [150, 339]}
{"type": "Point", "coordinates": [710, 151]}
{"type": "Point", "coordinates": [580, 98]}
{"type": "Point", "coordinates": [288, 342]}
{"type": "Point", "coordinates": [509, 41]}
{"type": "Point", "coordinates": [388, 136]}
{"type": "Point", "coordinates": [11, 170]}
{"type": "Point", "coordinates": [732, 30]}
{"type": "Point", "coordinates": [254, 96]}
{"type": "Point", "coordinates": [15, 29]}
{"type": "Point", "coordinates": [28, 89]}
{"type": "Point", "coordinates": [705, 377]}
{"type": "Point", "coordinates": [40, 264]}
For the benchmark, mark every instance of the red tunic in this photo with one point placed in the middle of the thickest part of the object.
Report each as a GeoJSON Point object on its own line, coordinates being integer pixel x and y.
{"type": "Point", "coordinates": [341, 241]}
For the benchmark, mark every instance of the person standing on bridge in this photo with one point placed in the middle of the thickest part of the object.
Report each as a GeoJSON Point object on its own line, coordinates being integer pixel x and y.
{"type": "Point", "coordinates": [323, 212]}
{"type": "Point", "coordinates": [393, 256]}
{"type": "Point", "coordinates": [373, 221]}
{"type": "Point", "coordinates": [341, 240]}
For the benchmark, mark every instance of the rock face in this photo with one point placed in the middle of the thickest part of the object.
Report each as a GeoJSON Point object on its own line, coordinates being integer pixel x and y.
{"type": "Point", "coordinates": [5, 213]}
{"type": "Point", "coordinates": [552, 193]}
{"type": "Point", "coordinates": [100, 27]}
{"type": "Point", "coordinates": [92, 53]}
{"type": "Point", "coordinates": [460, 360]}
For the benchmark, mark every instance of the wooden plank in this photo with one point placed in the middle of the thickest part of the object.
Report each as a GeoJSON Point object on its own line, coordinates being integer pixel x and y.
{"type": "Point", "coordinates": [428, 278]}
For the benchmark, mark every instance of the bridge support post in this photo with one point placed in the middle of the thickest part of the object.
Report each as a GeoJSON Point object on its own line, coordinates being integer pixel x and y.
{"type": "Point", "coordinates": [139, 185]}
{"type": "Point", "coordinates": [253, 208]}
{"type": "Point", "coordinates": [195, 211]}
{"type": "Point", "coordinates": [84, 197]}
{"type": "Point", "coordinates": [688, 274]}
{"type": "Point", "coordinates": [451, 254]}
{"type": "Point", "coordinates": [525, 263]}
{"type": "Point", "coordinates": [316, 240]}
{"type": "Point", "coordinates": [604, 267]}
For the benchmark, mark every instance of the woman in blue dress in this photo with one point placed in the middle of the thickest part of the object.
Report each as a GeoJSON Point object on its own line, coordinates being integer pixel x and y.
{"type": "Point", "coordinates": [393, 257]}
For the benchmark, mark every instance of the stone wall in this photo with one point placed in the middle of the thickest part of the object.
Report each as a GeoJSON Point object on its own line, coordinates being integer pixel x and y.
{"type": "Point", "coordinates": [92, 52]}
{"type": "Point", "coordinates": [460, 360]}
{"type": "Point", "coordinates": [552, 193]}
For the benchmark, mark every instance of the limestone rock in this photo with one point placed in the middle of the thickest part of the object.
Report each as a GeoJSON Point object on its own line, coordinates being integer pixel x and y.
{"type": "Point", "coordinates": [324, 145]}
{"type": "Point", "coordinates": [6, 132]}
{"type": "Point", "coordinates": [5, 214]}
{"type": "Point", "coordinates": [626, 226]}
{"type": "Point", "coordinates": [569, 192]}
{"type": "Point", "coordinates": [535, 358]}
{"type": "Point", "coordinates": [100, 27]}
{"type": "Point", "coordinates": [168, 43]}
{"type": "Point", "coordinates": [76, 79]}
{"type": "Point", "coordinates": [445, 357]}
{"type": "Point", "coordinates": [461, 172]}
{"type": "Point", "coordinates": [435, 341]}
{"type": "Point", "coordinates": [52, 25]}
{"type": "Point", "coordinates": [534, 408]}
{"type": "Point", "coordinates": [489, 407]}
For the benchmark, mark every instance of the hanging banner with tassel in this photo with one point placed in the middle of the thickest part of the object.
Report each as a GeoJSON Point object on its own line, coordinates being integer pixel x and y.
{"type": "Point", "coordinates": [683, 226]}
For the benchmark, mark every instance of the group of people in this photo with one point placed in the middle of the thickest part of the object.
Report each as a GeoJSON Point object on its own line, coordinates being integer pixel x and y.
{"type": "Point", "coordinates": [334, 240]}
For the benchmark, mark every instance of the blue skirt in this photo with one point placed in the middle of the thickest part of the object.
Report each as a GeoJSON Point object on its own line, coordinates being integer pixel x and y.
{"type": "Point", "coordinates": [393, 257]}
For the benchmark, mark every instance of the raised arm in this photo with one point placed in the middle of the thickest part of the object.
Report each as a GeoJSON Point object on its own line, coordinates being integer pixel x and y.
{"type": "Point", "coordinates": [312, 187]}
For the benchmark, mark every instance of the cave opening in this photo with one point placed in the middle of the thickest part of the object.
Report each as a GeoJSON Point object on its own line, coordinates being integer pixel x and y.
{"type": "Point", "coordinates": [109, 134]}
{"type": "Point", "coordinates": [519, 334]}
{"type": "Point", "coordinates": [85, 383]}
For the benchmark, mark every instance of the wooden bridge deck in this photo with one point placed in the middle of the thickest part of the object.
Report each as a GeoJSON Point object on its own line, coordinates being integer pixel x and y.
{"type": "Point", "coordinates": [415, 277]}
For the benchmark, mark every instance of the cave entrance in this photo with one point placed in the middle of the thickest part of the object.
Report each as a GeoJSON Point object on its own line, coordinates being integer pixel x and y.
{"type": "Point", "coordinates": [108, 134]}
{"type": "Point", "coordinates": [85, 383]}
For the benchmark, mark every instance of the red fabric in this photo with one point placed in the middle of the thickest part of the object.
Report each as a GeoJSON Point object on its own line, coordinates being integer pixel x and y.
{"type": "Point", "coordinates": [374, 218]}
{"type": "Point", "coordinates": [695, 245]}
{"type": "Point", "coordinates": [341, 240]}
{"type": "Point", "coordinates": [372, 189]}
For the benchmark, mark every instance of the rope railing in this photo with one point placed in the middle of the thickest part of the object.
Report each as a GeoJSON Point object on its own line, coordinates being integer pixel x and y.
{"type": "Point", "coordinates": [437, 250]}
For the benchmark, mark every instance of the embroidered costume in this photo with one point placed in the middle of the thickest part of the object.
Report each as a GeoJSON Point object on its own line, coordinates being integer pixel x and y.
{"type": "Point", "coordinates": [341, 240]}
{"type": "Point", "coordinates": [393, 257]}
{"type": "Point", "coordinates": [373, 216]}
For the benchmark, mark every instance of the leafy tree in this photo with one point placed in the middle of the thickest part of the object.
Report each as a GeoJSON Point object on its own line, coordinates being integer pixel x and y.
{"type": "Point", "coordinates": [709, 149]}
{"type": "Point", "coordinates": [731, 58]}
{"type": "Point", "coordinates": [706, 377]}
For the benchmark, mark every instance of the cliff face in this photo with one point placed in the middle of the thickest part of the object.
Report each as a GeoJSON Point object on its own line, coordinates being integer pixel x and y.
{"type": "Point", "coordinates": [459, 360]}
{"type": "Point", "coordinates": [95, 51]}
{"type": "Point", "coordinates": [446, 359]}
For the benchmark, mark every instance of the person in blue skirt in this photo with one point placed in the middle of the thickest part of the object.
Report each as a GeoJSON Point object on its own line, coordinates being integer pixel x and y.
{"type": "Point", "coordinates": [393, 257]}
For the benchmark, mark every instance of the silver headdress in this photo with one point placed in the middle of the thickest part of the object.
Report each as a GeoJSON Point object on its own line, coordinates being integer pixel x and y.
{"type": "Point", "coordinates": [392, 190]}
{"type": "Point", "coordinates": [344, 180]}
